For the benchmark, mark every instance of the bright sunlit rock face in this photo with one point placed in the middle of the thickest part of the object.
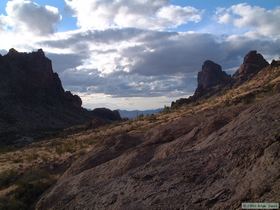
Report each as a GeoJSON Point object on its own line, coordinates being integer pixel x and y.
{"type": "Point", "coordinates": [114, 53]}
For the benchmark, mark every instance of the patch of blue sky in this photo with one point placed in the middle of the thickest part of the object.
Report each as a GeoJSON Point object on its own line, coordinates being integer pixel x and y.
{"type": "Point", "coordinates": [208, 24]}
{"type": "Point", "coordinates": [68, 22]}
{"type": "Point", "coordinates": [211, 5]}
{"type": "Point", "coordinates": [3, 6]}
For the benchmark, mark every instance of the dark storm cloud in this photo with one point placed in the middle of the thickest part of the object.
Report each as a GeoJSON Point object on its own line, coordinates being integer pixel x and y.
{"type": "Point", "coordinates": [104, 37]}
{"type": "Point", "coordinates": [161, 63]}
{"type": "Point", "coordinates": [186, 53]}
{"type": "Point", "coordinates": [61, 62]}
{"type": "Point", "coordinates": [123, 84]}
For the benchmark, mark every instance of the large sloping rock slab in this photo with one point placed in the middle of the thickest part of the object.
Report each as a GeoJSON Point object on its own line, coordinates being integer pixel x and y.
{"type": "Point", "coordinates": [212, 160]}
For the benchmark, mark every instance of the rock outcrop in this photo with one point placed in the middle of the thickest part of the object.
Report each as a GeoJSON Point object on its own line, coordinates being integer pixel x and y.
{"type": "Point", "coordinates": [253, 62]}
{"type": "Point", "coordinates": [210, 79]}
{"type": "Point", "coordinates": [29, 78]}
{"type": "Point", "coordinates": [32, 99]}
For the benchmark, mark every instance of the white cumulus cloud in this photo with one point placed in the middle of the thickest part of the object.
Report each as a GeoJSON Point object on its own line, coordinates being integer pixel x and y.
{"type": "Point", "coordinates": [156, 14]}
{"type": "Point", "coordinates": [27, 16]}
{"type": "Point", "coordinates": [254, 18]}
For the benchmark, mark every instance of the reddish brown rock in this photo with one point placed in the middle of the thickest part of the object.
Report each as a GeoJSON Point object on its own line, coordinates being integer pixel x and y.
{"type": "Point", "coordinates": [253, 62]}
{"type": "Point", "coordinates": [211, 79]}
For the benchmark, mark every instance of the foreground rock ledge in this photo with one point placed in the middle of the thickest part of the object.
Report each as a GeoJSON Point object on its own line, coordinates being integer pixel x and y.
{"type": "Point", "coordinates": [207, 161]}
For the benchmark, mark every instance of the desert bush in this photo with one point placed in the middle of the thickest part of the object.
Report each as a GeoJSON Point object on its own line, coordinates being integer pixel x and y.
{"type": "Point", "coordinates": [12, 204]}
{"type": "Point", "coordinates": [33, 175]}
{"type": "Point", "coordinates": [32, 156]}
{"type": "Point", "coordinates": [29, 187]}
{"type": "Point", "coordinates": [166, 109]}
{"type": "Point", "coordinates": [152, 118]}
{"type": "Point", "coordinates": [28, 192]}
{"type": "Point", "coordinates": [7, 177]}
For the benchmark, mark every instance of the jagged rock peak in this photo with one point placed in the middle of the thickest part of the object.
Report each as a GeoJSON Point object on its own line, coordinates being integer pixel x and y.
{"type": "Point", "coordinates": [211, 75]}
{"type": "Point", "coordinates": [210, 65]}
{"type": "Point", "coordinates": [253, 57]}
{"type": "Point", "coordinates": [210, 80]}
{"type": "Point", "coordinates": [12, 51]}
{"type": "Point", "coordinates": [253, 62]}
{"type": "Point", "coordinates": [40, 52]}
{"type": "Point", "coordinates": [275, 63]}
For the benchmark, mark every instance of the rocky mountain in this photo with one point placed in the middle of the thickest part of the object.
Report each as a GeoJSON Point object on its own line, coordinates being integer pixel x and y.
{"type": "Point", "coordinates": [212, 80]}
{"type": "Point", "coordinates": [214, 153]}
{"type": "Point", "coordinates": [33, 101]}
{"type": "Point", "coordinates": [252, 64]}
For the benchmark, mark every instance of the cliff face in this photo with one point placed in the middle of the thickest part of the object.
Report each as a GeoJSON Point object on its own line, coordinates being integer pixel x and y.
{"type": "Point", "coordinates": [32, 99]}
{"type": "Point", "coordinates": [29, 78]}
{"type": "Point", "coordinates": [210, 79]}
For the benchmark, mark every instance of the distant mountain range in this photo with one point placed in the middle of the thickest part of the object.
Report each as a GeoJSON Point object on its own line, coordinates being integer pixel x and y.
{"type": "Point", "coordinates": [135, 113]}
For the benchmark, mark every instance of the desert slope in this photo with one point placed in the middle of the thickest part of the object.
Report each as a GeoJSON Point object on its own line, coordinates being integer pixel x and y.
{"type": "Point", "coordinates": [211, 154]}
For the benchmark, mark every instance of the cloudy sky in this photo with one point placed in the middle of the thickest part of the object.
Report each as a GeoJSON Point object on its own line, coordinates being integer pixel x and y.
{"type": "Point", "coordinates": [139, 54]}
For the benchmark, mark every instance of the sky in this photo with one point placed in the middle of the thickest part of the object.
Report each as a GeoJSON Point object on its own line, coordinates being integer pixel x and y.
{"type": "Point", "coordinates": [139, 54]}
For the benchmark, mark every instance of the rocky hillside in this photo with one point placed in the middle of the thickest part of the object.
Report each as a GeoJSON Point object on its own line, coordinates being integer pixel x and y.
{"type": "Point", "coordinates": [33, 101]}
{"type": "Point", "coordinates": [211, 153]}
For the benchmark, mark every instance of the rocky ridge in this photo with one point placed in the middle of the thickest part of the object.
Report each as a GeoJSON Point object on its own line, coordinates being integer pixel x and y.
{"type": "Point", "coordinates": [33, 101]}
{"type": "Point", "coordinates": [211, 80]}
{"type": "Point", "coordinates": [215, 154]}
